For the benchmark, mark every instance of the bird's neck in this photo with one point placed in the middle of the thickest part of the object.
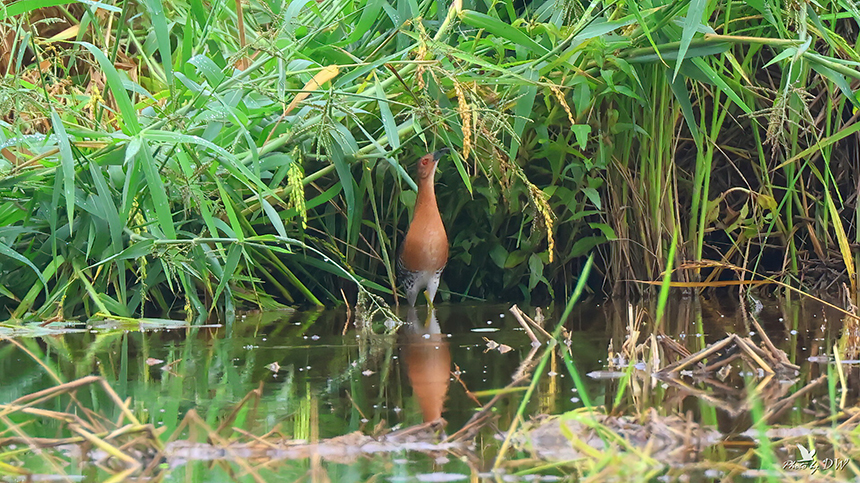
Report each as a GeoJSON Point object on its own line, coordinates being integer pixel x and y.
{"type": "Point", "coordinates": [425, 205]}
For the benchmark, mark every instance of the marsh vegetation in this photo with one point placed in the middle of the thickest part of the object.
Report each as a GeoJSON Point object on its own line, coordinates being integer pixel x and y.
{"type": "Point", "coordinates": [175, 176]}
{"type": "Point", "coordinates": [195, 157]}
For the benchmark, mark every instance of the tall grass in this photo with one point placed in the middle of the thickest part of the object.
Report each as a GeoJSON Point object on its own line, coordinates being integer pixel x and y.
{"type": "Point", "coordinates": [166, 156]}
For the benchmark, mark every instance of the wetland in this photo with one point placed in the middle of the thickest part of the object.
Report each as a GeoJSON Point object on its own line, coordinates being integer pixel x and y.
{"type": "Point", "coordinates": [457, 394]}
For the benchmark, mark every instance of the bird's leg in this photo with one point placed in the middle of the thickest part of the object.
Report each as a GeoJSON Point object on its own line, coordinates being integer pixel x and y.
{"type": "Point", "coordinates": [429, 300]}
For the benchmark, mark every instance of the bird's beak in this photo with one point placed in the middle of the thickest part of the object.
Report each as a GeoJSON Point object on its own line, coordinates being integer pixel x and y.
{"type": "Point", "coordinates": [438, 154]}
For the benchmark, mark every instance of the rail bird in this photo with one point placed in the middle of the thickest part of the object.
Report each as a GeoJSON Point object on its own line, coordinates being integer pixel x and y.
{"type": "Point", "coordinates": [424, 251]}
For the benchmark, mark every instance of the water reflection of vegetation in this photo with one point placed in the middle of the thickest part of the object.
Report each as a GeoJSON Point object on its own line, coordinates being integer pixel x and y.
{"type": "Point", "coordinates": [249, 397]}
{"type": "Point", "coordinates": [324, 387]}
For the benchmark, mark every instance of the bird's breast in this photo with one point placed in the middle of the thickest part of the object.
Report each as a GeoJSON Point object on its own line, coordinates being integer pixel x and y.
{"type": "Point", "coordinates": [425, 247]}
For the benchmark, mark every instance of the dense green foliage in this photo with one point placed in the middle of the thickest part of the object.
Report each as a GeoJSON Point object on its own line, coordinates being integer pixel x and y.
{"type": "Point", "coordinates": [172, 155]}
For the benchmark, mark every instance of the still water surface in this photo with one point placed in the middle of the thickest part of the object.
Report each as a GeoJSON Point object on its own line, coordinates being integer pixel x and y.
{"type": "Point", "coordinates": [314, 377]}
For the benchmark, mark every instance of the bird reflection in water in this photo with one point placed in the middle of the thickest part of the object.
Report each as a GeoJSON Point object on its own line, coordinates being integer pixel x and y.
{"type": "Point", "coordinates": [424, 349]}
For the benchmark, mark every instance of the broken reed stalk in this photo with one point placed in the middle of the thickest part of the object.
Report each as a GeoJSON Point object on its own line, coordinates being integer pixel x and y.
{"type": "Point", "coordinates": [525, 321]}
{"type": "Point", "coordinates": [25, 437]}
{"type": "Point", "coordinates": [213, 436]}
{"type": "Point", "coordinates": [254, 395]}
{"type": "Point", "coordinates": [780, 355]}
{"type": "Point", "coordinates": [86, 431]}
{"type": "Point", "coordinates": [776, 410]}
{"type": "Point", "coordinates": [697, 357]}
{"type": "Point", "coordinates": [518, 314]}
{"type": "Point", "coordinates": [43, 443]}
{"type": "Point", "coordinates": [747, 346]}
{"type": "Point", "coordinates": [39, 396]}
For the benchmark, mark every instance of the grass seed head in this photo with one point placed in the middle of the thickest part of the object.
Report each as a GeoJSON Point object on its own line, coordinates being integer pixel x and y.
{"type": "Point", "coordinates": [465, 113]}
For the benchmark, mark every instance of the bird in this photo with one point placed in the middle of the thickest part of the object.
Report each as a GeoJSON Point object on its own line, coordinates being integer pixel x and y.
{"type": "Point", "coordinates": [424, 251]}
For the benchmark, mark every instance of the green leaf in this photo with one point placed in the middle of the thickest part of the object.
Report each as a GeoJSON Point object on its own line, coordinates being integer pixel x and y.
{"type": "Point", "coordinates": [501, 29]}
{"type": "Point", "coordinates": [593, 196]}
{"type": "Point", "coordinates": [633, 6]}
{"type": "Point", "coordinates": [234, 254]}
{"type": "Point", "coordinates": [208, 68]}
{"type": "Point", "coordinates": [785, 54]}
{"type": "Point", "coordinates": [227, 159]}
{"type": "Point", "coordinates": [697, 50]}
{"type": "Point", "coordinates": [176, 137]}
{"type": "Point", "coordinates": [585, 244]}
{"type": "Point", "coordinates": [135, 251]}
{"type": "Point", "coordinates": [273, 217]}
{"type": "Point", "coordinates": [162, 36]}
{"type": "Point", "coordinates": [117, 88]}
{"type": "Point", "coordinates": [293, 10]}
{"type": "Point", "coordinates": [691, 24]}
{"type": "Point", "coordinates": [5, 250]}
{"type": "Point", "coordinates": [712, 212]}
{"type": "Point", "coordinates": [682, 95]}
{"type": "Point", "coordinates": [607, 230]}
{"type": "Point", "coordinates": [581, 132]}
{"type": "Point", "coordinates": [523, 111]}
{"type": "Point", "coordinates": [718, 80]}
{"type": "Point", "coordinates": [231, 213]}
{"type": "Point", "coordinates": [369, 14]}
{"type": "Point", "coordinates": [26, 6]}
{"type": "Point", "coordinates": [535, 270]}
{"type": "Point", "coordinates": [91, 291]}
{"type": "Point", "coordinates": [347, 183]}
{"type": "Point", "coordinates": [388, 122]}
{"type": "Point", "coordinates": [6, 293]}
{"type": "Point", "coordinates": [156, 188]}
{"type": "Point", "coordinates": [113, 306]}
{"type": "Point", "coordinates": [68, 166]}
{"type": "Point", "coordinates": [397, 166]}
{"type": "Point", "coordinates": [838, 79]}
{"type": "Point", "coordinates": [106, 203]}
{"type": "Point", "coordinates": [764, 8]}
{"type": "Point", "coordinates": [600, 27]}
{"type": "Point", "coordinates": [515, 258]}
{"type": "Point", "coordinates": [132, 148]}
{"type": "Point", "coordinates": [498, 254]}
{"type": "Point", "coordinates": [458, 163]}
{"type": "Point", "coordinates": [34, 291]}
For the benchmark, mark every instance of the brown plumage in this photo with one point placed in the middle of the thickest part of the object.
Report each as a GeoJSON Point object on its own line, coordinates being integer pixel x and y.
{"type": "Point", "coordinates": [424, 251]}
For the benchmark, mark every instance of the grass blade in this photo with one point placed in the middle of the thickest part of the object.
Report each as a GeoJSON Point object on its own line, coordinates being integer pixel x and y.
{"type": "Point", "coordinates": [117, 88]}
{"type": "Point", "coordinates": [9, 252]}
{"type": "Point", "coordinates": [501, 29]}
{"type": "Point", "coordinates": [691, 24]}
{"type": "Point", "coordinates": [67, 162]}
{"type": "Point", "coordinates": [162, 37]}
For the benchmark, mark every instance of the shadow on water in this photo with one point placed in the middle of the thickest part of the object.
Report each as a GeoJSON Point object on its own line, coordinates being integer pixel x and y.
{"type": "Point", "coordinates": [307, 395]}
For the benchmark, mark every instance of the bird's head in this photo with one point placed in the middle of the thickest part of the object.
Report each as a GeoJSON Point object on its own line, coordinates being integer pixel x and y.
{"type": "Point", "coordinates": [427, 163]}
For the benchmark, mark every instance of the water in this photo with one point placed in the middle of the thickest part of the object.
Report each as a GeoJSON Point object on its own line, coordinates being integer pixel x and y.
{"type": "Point", "coordinates": [307, 395]}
